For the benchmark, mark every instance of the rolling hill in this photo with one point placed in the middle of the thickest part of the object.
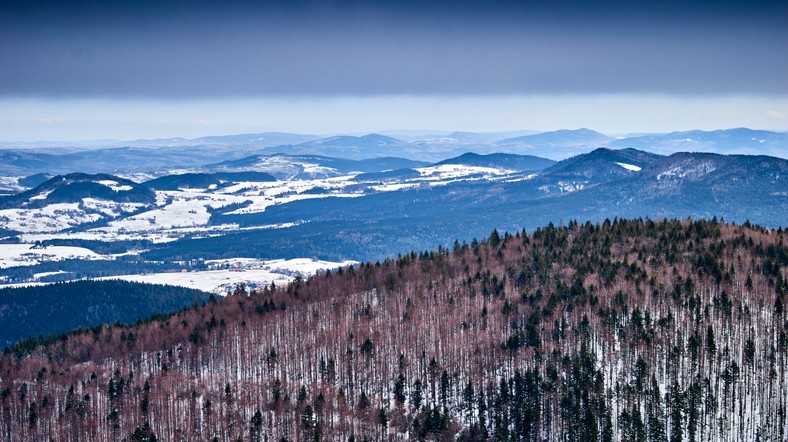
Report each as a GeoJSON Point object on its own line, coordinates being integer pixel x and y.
{"type": "Point", "coordinates": [557, 145]}
{"type": "Point", "coordinates": [519, 163]}
{"type": "Point", "coordinates": [206, 180]}
{"type": "Point", "coordinates": [590, 331]}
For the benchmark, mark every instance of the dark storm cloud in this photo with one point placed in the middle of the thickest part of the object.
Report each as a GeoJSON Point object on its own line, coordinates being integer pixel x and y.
{"type": "Point", "coordinates": [208, 49]}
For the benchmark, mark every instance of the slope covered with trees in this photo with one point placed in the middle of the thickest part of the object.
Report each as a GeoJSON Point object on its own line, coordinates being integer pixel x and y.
{"type": "Point", "coordinates": [623, 330]}
{"type": "Point", "coordinates": [40, 311]}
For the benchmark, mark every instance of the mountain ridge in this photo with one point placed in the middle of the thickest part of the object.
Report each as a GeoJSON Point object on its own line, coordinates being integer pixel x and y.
{"type": "Point", "coordinates": [151, 155]}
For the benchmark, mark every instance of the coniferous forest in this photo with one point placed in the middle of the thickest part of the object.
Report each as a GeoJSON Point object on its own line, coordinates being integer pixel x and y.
{"type": "Point", "coordinates": [624, 330]}
{"type": "Point", "coordinates": [44, 312]}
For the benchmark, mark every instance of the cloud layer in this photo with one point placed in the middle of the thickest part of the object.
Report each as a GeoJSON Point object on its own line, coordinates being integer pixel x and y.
{"type": "Point", "coordinates": [185, 50]}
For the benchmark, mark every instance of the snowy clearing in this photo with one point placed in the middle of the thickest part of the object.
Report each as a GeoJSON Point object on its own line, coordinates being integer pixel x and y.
{"type": "Point", "coordinates": [631, 167]}
{"type": "Point", "coordinates": [12, 255]}
{"type": "Point", "coordinates": [250, 272]}
{"type": "Point", "coordinates": [114, 185]}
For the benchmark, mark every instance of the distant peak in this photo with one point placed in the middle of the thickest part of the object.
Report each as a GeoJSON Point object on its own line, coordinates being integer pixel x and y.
{"type": "Point", "coordinates": [584, 130]}
{"type": "Point", "coordinates": [379, 137]}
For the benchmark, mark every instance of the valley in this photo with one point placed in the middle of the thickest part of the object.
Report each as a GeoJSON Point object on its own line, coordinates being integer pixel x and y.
{"type": "Point", "coordinates": [186, 206]}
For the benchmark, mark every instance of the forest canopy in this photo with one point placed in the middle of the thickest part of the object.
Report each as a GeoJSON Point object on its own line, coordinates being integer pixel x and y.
{"type": "Point", "coordinates": [621, 330]}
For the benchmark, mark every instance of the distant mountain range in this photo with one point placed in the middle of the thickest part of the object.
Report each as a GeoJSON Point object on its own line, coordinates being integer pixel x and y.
{"type": "Point", "coordinates": [115, 160]}
{"type": "Point", "coordinates": [260, 139]}
{"type": "Point", "coordinates": [288, 205]}
{"type": "Point", "coordinates": [733, 141]}
{"type": "Point", "coordinates": [337, 209]}
{"type": "Point", "coordinates": [354, 148]}
{"type": "Point", "coordinates": [160, 155]}
{"type": "Point", "coordinates": [137, 155]}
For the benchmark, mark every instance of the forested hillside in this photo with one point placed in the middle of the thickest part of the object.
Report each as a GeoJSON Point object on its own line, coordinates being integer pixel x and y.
{"type": "Point", "coordinates": [39, 311]}
{"type": "Point", "coordinates": [623, 330]}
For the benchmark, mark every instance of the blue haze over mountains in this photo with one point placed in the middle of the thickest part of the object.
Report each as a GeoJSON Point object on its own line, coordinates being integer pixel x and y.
{"type": "Point", "coordinates": [20, 159]}
{"type": "Point", "coordinates": [549, 177]}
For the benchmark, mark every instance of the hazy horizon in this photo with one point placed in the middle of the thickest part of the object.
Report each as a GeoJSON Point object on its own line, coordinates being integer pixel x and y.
{"type": "Point", "coordinates": [123, 120]}
{"type": "Point", "coordinates": [89, 69]}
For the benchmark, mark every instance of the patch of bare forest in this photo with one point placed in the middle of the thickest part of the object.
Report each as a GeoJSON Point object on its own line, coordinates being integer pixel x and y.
{"type": "Point", "coordinates": [626, 330]}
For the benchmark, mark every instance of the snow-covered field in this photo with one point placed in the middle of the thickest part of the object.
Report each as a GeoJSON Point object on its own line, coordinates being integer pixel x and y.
{"type": "Point", "coordinates": [10, 184]}
{"type": "Point", "coordinates": [51, 218]}
{"type": "Point", "coordinates": [247, 271]}
{"type": "Point", "coordinates": [114, 185]}
{"type": "Point", "coordinates": [445, 172]}
{"type": "Point", "coordinates": [215, 281]}
{"type": "Point", "coordinates": [12, 255]}
{"type": "Point", "coordinates": [224, 275]}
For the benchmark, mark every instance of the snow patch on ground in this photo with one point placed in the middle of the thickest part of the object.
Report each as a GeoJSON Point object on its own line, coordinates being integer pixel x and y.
{"type": "Point", "coordinates": [178, 209]}
{"type": "Point", "coordinates": [110, 208]}
{"type": "Point", "coordinates": [223, 274]}
{"type": "Point", "coordinates": [42, 195]}
{"type": "Point", "coordinates": [51, 218]}
{"type": "Point", "coordinates": [631, 167]}
{"type": "Point", "coordinates": [266, 194]}
{"type": "Point", "coordinates": [316, 169]}
{"type": "Point", "coordinates": [60, 216]}
{"type": "Point", "coordinates": [448, 171]}
{"type": "Point", "coordinates": [45, 274]}
{"type": "Point", "coordinates": [138, 177]}
{"type": "Point", "coordinates": [442, 175]}
{"type": "Point", "coordinates": [281, 165]}
{"type": "Point", "coordinates": [10, 184]}
{"type": "Point", "coordinates": [563, 187]}
{"type": "Point", "coordinates": [391, 187]}
{"type": "Point", "coordinates": [114, 185]}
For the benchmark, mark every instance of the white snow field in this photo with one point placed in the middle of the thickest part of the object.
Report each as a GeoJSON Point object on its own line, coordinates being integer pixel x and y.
{"type": "Point", "coordinates": [631, 167]}
{"type": "Point", "coordinates": [12, 255]}
{"type": "Point", "coordinates": [230, 273]}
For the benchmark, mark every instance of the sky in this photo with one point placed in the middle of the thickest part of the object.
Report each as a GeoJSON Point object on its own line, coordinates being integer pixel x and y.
{"type": "Point", "coordinates": [76, 70]}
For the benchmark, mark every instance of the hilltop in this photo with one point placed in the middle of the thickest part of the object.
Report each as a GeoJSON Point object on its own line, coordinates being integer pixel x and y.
{"type": "Point", "coordinates": [619, 330]}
